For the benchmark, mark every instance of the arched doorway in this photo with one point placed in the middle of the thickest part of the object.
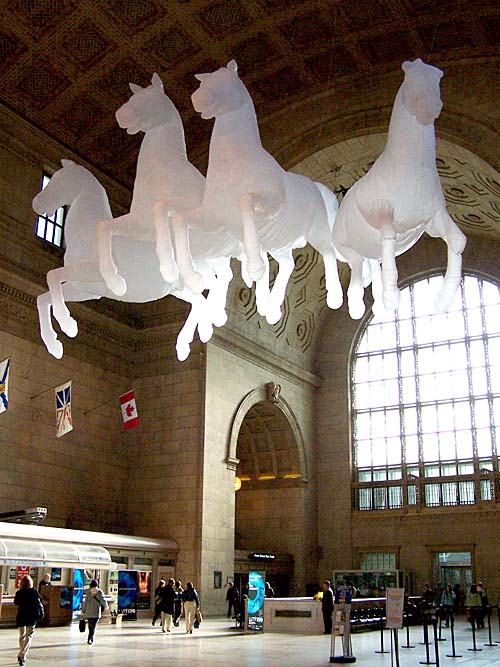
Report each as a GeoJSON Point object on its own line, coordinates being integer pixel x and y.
{"type": "Point", "coordinates": [271, 504]}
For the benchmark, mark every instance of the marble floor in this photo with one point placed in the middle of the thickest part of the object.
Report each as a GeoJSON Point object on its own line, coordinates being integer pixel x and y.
{"type": "Point", "coordinates": [216, 643]}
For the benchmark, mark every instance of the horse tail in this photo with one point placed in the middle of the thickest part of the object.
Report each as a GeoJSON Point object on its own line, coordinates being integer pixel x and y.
{"type": "Point", "coordinates": [330, 202]}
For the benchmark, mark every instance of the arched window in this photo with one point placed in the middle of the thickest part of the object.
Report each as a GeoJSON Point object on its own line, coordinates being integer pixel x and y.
{"type": "Point", "coordinates": [425, 397]}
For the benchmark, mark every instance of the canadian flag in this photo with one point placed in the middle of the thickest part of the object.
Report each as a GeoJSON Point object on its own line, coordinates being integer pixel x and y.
{"type": "Point", "coordinates": [129, 410]}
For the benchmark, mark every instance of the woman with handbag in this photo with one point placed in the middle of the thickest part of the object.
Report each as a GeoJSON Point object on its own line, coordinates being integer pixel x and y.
{"type": "Point", "coordinates": [30, 611]}
{"type": "Point", "coordinates": [191, 604]}
{"type": "Point", "coordinates": [93, 604]}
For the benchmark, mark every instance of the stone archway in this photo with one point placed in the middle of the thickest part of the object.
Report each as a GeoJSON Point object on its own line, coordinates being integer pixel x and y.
{"type": "Point", "coordinates": [266, 450]}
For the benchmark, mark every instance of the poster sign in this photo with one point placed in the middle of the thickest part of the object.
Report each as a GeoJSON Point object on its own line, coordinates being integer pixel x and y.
{"type": "Point", "coordinates": [127, 594]}
{"type": "Point", "coordinates": [21, 571]}
{"type": "Point", "coordinates": [343, 595]}
{"type": "Point", "coordinates": [78, 586]}
{"type": "Point", "coordinates": [256, 595]}
{"type": "Point", "coordinates": [144, 590]}
{"type": "Point", "coordinates": [394, 608]}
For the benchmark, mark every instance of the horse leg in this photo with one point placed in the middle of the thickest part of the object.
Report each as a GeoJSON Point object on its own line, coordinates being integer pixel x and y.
{"type": "Point", "coordinates": [443, 226]}
{"type": "Point", "coordinates": [164, 248]}
{"type": "Point", "coordinates": [286, 265]}
{"type": "Point", "coordinates": [192, 278]}
{"type": "Point", "coordinates": [198, 317]}
{"type": "Point", "coordinates": [107, 266]}
{"type": "Point", "coordinates": [262, 294]}
{"type": "Point", "coordinates": [389, 269]}
{"type": "Point", "coordinates": [55, 279]}
{"type": "Point", "coordinates": [255, 265]}
{"type": "Point", "coordinates": [218, 289]}
{"type": "Point", "coordinates": [377, 288]}
{"type": "Point", "coordinates": [355, 291]}
{"type": "Point", "coordinates": [49, 336]}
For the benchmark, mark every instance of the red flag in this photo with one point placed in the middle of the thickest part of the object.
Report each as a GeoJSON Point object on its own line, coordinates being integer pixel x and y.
{"type": "Point", "coordinates": [129, 410]}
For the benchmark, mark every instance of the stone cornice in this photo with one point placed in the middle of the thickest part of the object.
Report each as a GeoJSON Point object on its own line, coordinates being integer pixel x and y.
{"type": "Point", "coordinates": [250, 351]}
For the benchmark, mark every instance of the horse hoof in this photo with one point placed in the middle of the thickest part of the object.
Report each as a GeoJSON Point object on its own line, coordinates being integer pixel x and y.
{"type": "Point", "coordinates": [70, 327]}
{"type": "Point", "coordinates": [56, 349]}
{"type": "Point", "coordinates": [442, 303]}
{"type": "Point", "coordinates": [219, 319]}
{"type": "Point", "coordinates": [391, 299]}
{"type": "Point", "coordinates": [117, 285]}
{"type": "Point", "coordinates": [356, 310]}
{"type": "Point", "coordinates": [169, 274]}
{"type": "Point", "coordinates": [183, 350]}
{"type": "Point", "coordinates": [334, 299]}
{"type": "Point", "coordinates": [205, 332]}
{"type": "Point", "coordinates": [255, 269]}
{"type": "Point", "coordinates": [273, 316]}
{"type": "Point", "coordinates": [194, 282]}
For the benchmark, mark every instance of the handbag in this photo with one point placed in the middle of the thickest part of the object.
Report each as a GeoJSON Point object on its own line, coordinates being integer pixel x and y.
{"type": "Point", "coordinates": [81, 625]}
{"type": "Point", "coordinates": [40, 611]}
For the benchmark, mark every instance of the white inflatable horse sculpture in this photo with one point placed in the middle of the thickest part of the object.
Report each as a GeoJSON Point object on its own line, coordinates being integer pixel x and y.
{"type": "Point", "coordinates": [247, 193]}
{"type": "Point", "coordinates": [390, 207]}
{"type": "Point", "coordinates": [80, 279]}
{"type": "Point", "coordinates": [166, 185]}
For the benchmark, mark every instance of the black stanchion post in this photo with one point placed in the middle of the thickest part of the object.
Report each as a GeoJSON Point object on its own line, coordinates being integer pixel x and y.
{"type": "Point", "coordinates": [427, 660]}
{"type": "Point", "coordinates": [406, 618]}
{"type": "Point", "coordinates": [381, 621]}
{"type": "Point", "coordinates": [473, 624]}
{"type": "Point", "coordinates": [396, 647]}
{"type": "Point", "coordinates": [490, 641]}
{"type": "Point", "coordinates": [435, 633]}
{"type": "Point", "coordinates": [452, 634]}
{"type": "Point", "coordinates": [439, 611]}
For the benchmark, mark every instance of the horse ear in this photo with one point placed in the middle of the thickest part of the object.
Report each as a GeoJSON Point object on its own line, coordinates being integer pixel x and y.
{"type": "Point", "coordinates": [232, 66]}
{"type": "Point", "coordinates": [135, 88]}
{"type": "Point", "coordinates": [67, 163]}
{"type": "Point", "coordinates": [157, 82]}
{"type": "Point", "coordinates": [201, 77]}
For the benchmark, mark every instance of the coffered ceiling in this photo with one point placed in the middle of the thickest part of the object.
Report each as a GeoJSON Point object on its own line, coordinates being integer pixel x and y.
{"type": "Point", "coordinates": [322, 73]}
{"type": "Point", "coordinates": [66, 65]}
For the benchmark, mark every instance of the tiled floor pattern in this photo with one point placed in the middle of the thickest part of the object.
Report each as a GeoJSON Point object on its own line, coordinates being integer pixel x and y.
{"type": "Point", "coordinates": [217, 644]}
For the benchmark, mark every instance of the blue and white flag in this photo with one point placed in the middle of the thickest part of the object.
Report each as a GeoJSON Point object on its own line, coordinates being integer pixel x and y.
{"type": "Point", "coordinates": [4, 384]}
{"type": "Point", "coordinates": [64, 422]}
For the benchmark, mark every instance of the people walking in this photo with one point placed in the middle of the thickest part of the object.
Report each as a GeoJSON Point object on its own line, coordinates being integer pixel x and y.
{"type": "Point", "coordinates": [447, 603]}
{"type": "Point", "coordinates": [157, 612]}
{"type": "Point", "coordinates": [30, 611]}
{"type": "Point", "coordinates": [167, 605]}
{"type": "Point", "coordinates": [178, 602]}
{"type": "Point", "coordinates": [93, 605]}
{"type": "Point", "coordinates": [191, 604]}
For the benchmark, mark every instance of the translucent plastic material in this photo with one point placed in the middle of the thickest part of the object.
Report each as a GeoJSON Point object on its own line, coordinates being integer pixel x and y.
{"type": "Point", "coordinates": [387, 210]}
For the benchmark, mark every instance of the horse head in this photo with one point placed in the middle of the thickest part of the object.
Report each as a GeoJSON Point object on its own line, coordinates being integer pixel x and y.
{"type": "Point", "coordinates": [420, 91]}
{"type": "Point", "coordinates": [147, 108]}
{"type": "Point", "coordinates": [61, 190]}
{"type": "Point", "coordinates": [219, 92]}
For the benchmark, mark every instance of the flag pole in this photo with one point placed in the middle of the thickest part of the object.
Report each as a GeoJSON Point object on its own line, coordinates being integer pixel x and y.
{"type": "Point", "coordinates": [86, 412]}
{"type": "Point", "coordinates": [45, 391]}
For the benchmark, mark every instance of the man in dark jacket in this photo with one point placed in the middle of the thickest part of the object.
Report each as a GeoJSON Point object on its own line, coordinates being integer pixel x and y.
{"type": "Point", "coordinates": [167, 597]}
{"type": "Point", "coordinates": [30, 610]}
{"type": "Point", "coordinates": [327, 606]}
